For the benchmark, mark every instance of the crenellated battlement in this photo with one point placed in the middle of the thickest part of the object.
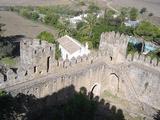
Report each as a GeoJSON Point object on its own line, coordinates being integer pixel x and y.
{"type": "Point", "coordinates": [115, 44]}
{"type": "Point", "coordinates": [83, 60]}
{"type": "Point", "coordinates": [145, 60]}
{"type": "Point", "coordinates": [133, 77]}
{"type": "Point", "coordinates": [22, 74]}
{"type": "Point", "coordinates": [33, 52]}
{"type": "Point", "coordinates": [38, 59]}
{"type": "Point", "coordinates": [114, 39]}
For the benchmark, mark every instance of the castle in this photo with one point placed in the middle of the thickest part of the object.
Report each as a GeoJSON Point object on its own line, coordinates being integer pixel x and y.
{"type": "Point", "coordinates": [135, 78]}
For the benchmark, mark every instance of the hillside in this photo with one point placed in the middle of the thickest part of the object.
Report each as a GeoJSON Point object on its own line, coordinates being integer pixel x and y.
{"type": "Point", "coordinates": [23, 26]}
{"type": "Point", "coordinates": [151, 5]}
{"type": "Point", "coordinates": [32, 2]}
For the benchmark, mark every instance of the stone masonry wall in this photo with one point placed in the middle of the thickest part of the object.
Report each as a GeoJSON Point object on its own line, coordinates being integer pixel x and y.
{"type": "Point", "coordinates": [135, 78]}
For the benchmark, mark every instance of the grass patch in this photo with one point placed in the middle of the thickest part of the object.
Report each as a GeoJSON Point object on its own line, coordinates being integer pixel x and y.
{"type": "Point", "coordinates": [8, 61]}
{"type": "Point", "coordinates": [110, 95]}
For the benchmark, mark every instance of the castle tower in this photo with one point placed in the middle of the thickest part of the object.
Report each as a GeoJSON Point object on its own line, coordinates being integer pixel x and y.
{"type": "Point", "coordinates": [37, 54]}
{"type": "Point", "coordinates": [115, 45]}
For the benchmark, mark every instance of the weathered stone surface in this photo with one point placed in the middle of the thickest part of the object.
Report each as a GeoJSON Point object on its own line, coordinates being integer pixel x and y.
{"type": "Point", "coordinates": [1, 78]}
{"type": "Point", "coordinates": [129, 79]}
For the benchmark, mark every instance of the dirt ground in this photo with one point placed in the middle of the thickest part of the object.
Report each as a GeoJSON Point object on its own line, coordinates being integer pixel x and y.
{"type": "Point", "coordinates": [151, 5]}
{"type": "Point", "coordinates": [32, 2]}
{"type": "Point", "coordinates": [17, 25]}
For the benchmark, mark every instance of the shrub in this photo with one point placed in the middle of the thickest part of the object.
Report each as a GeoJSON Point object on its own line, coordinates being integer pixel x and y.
{"type": "Point", "coordinates": [34, 15]}
{"type": "Point", "coordinates": [46, 36]}
{"type": "Point", "coordinates": [51, 19]}
{"type": "Point", "coordinates": [92, 8]}
{"type": "Point", "coordinates": [133, 13]}
{"type": "Point", "coordinates": [24, 12]}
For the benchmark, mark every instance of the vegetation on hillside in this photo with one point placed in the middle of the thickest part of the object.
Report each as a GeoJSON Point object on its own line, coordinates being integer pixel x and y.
{"type": "Point", "coordinates": [46, 36]}
{"type": "Point", "coordinates": [90, 29]}
{"type": "Point", "coordinates": [149, 31]}
{"type": "Point", "coordinates": [133, 14]}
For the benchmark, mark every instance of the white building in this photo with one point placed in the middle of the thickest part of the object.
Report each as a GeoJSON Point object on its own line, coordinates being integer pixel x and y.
{"type": "Point", "coordinates": [131, 23]}
{"type": "Point", "coordinates": [74, 20]}
{"type": "Point", "coordinates": [72, 48]}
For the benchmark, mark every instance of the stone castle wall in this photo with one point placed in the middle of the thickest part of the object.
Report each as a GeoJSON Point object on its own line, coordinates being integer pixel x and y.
{"type": "Point", "coordinates": [115, 44]}
{"type": "Point", "coordinates": [144, 60]}
{"type": "Point", "coordinates": [108, 69]}
{"type": "Point", "coordinates": [28, 73]}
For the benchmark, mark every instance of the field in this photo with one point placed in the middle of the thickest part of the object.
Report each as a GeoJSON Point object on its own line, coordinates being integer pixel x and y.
{"type": "Point", "coordinates": [32, 2]}
{"type": "Point", "coordinates": [152, 5]}
{"type": "Point", "coordinates": [17, 25]}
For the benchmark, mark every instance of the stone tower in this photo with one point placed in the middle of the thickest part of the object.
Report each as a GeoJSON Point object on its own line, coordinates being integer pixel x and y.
{"type": "Point", "coordinates": [115, 45]}
{"type": "Point", "coordinates": [38, 54]}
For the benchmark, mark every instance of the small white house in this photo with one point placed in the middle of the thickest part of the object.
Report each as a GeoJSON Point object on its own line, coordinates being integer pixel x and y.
{"type": "Point", "coordinates": [76, 19]}
{"type": "Point", "coordinates": [131, 23]}
{"type": "Point", "coordinates": [72, 48]}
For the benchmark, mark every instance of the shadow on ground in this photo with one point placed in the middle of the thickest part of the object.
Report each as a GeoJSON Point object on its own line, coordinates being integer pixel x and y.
{"type": "Point", "coordinates": [157, 116]}
{"type": "Point", "coordinates": [10, 46]}
{"type": "Point", "coordinates": [66, 104]}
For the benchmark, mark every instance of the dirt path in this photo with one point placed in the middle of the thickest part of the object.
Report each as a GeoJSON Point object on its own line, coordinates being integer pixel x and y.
{"type": "Point", "coordinates": [17, 25]}
{"type": "Point", "coordinates": [112, 8]}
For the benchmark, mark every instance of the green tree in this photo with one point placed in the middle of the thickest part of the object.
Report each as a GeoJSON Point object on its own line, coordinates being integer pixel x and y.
{"type": "Point", "coordinates": [133, 13]}
{"type": "Point", "coordinates": [131, 49]}
{"type": "Point", "coordinates": [143, 10]}
{"type": "Point", "coordinates": [81, 2]}
{"type": "Point", "coordinates": [25, 12]}
{"type": "Point", "coordinates": [123, 13]}
{"type": "Point", "coordinates": [108, 15]}
{"type": "Point", "coordinates": [90, 22]}
{"type": "Point", "coordinates": [147, 30]}
{"type": "Point", "coordinates": [64, 29]}
{"type": "Point", "coordinates": [34, 15]}
{"type": "Point", "coordinates": [58, 51]}
{"type": "Point", "coordinates": [51, 19]}
{"type": "Point", "coordinates": [92, 8]}
{"type": "Point", "coordinates": [1, 29]}
{"type": "Point", "coordinates": [150, 14]}
{"type": "Point", "coordinates": [2, 93]}
{"type": "Point", "coordinates": [86, 31]}
{"type": "Point", "coordinates": [46, 36]}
